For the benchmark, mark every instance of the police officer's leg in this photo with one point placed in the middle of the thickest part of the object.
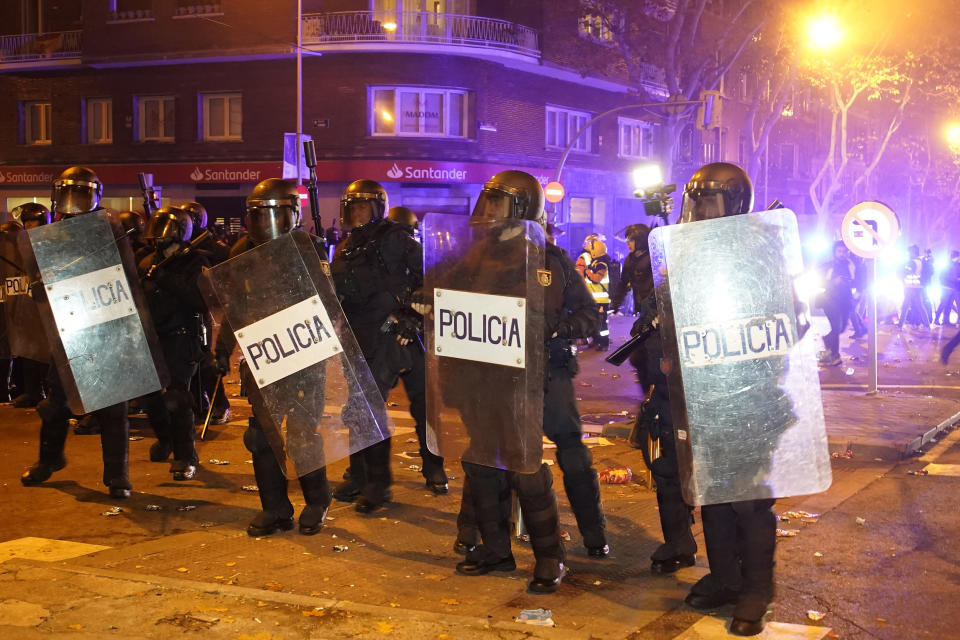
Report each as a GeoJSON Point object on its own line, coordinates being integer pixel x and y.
{"type": "Point", "coordinates": [468, 535]}
{"type": "Point", "coordinates": [603, 333]}
{"type": "Point", "coordinates": [756, 543]}
{"type": "Point", "coordinates": [183, 354]}
{"type": "Point", "coordinates": [34, 374]}
{"type": "Point", "coordinates": [538, 504]}
{"type": "Point", "coordinates": [376, 458]}
{"type": "Point", "coordinates": [159, 417]}
{"type": "Point", "coordinates": [115, 442]}
{"type": "Point", "coordinates": [490, 494]}
{"type": "Point", "coordinates": [561, 423]}
{"type": "Point", "coordinates": [277, 514]}
{"type": "Point", "coordinates": [679, 547]}
{"type": "Point", "coordinates": [414, 383]}
{"type": "Point", "coordinates": [722, 585]}
{"type": "Point", "coordinates": [55, 417]}
{"type": "Point", "coordinates": [316, 494]}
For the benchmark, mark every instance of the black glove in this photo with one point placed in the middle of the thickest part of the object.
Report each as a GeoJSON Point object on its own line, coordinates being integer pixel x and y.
{"type": "Point", "coordinates": [564, 329]}
{"type": "Point", "coordinates": [409, 324]}
{"type": "Point", "coordinates": [222, 362]}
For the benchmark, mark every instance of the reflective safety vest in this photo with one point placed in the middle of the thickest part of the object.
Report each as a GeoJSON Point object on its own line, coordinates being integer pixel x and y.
{"type": "Point", "coordinates": [597, 277]}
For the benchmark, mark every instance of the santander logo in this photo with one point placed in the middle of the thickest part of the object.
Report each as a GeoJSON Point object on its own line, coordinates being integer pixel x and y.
{"type": "Point", "coordinates": [196, 175]}
{"type": "Point", "coordinates": [395, 172]}
{"type": "Point", "coordinates": [3, 178]}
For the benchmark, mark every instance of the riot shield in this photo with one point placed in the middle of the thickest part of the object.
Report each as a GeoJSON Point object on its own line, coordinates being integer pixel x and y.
{"type": "Point", "coordinates": [309, 385]}
{"type": "Point", "coordinates": [91, 307]}
{"type": "Point", "coordinates": [25, 333]}
{"type": "Point", "coordinates": [485, 348]}
{"type": "Point", "coordinates": [744, 384]}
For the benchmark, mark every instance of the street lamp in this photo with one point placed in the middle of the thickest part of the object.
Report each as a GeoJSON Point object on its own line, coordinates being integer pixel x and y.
{"type": "Point", "coordinates": [824, 32]}
{"type": "Point", "coordinates": [952, 135]}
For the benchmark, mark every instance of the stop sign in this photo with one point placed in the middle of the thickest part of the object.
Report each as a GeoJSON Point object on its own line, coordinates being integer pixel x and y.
{"type": "Point", "coordinates": [553, 192]}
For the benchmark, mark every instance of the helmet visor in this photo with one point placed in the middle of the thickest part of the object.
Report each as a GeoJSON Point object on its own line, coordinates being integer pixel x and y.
{"type": "Point", "coordinates": [493, 204]}
{"type": "Point", "coordinates": [74, 199]}
{"type": "Point", "coordinates": [355, 212]}
{"type": "Point", "coordinates": [702, 205]}
{"type": "Point", "coordinates": [267, 223]}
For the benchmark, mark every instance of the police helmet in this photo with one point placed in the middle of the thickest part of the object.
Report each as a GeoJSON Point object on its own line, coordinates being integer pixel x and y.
{"type": "Point", "coordinates": [169, 224]}
{"type": "Point", "coordinates": [31, 214]}
{"type": "Point", "coordinates": [199, 214]}
{"type": "Point", "coordinates": [75, 192]}
{"type": "Point", "coordinates": [273, 209]}
{"type": "Point", "coordinates": [354, 210]}
{"type": "Point", "coordinates": [131, 222]}
{"type": "Point", "coordinates": [11, 227]}
{"type": "Point", "coordinates": [717, 190]}
{"type": "Point", "coordinates": [404, 216]}
{"type": "Point", "coordinates": [511, 194]}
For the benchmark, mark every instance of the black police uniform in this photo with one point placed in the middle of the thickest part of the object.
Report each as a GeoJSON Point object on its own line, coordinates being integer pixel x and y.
{"type": "Point", "coordinates": [655, 421]}
{"type": "Point", "coordinates": [636, 277]}
{"type": "Point", "coordinates": [375, 269]}
{"type": "Point", "coordinates": [571, 313]}
{"type": "Point", "coordinates": [55, 414]}
{"type": "Point", "coordinates": [175, 303]}
{"type": "Point", "coordinates": [208, 384]}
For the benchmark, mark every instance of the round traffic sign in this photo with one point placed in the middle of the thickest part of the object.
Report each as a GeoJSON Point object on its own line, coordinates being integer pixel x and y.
{"type": "Point", "coordinates": [869, 227]}
{"type": "Point", "coordinates": [553, 192]}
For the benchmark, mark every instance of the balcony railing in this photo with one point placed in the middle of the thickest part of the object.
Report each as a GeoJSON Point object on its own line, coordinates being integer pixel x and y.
{"type": "Point", "coordinates": [28, 47]}
{"type": "Point", "coordinates": [419, 27]}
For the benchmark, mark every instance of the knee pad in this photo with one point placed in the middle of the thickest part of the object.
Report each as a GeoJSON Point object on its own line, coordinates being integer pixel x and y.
{"type": "Point", "coordinates": [572, 456]}
{"type": "Point", "coordinates": [177, 400]}
{"type": "Point", "coordinates": [51, 412]}
{"type": "Point", "coordinates": [255, 439]}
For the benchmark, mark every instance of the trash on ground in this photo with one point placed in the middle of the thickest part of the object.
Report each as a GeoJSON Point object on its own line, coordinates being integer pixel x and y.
{"type": "Point", "coordinates": [216, 461]}
{"type": "Point", "coordinates": [861, 521]}
{"type": "Point", "coordinates": [921, 472]}
{"type": "Point", "coordinates": [817, 554]}
{"type": "Point", "coordinates": [153, 507]}
{"type": "Point", "coordinates": [393, 404]}
{"type": "Point", "coordinates": [565, 535]}
{"type": "Point", "coordinates": [787, 533]}
{"type": "Point", "coordinates": [617, 475]}
{"type": "Point", "coordinates": [803, 516]}
{"type": "Point", "coordinates": [112, 511]}
{"type": "Point", "coordinates": [537, 617]}
{"type": "Point", "coordinates": [849, 371]}
{"type": "Point", "coordinates": [187, 507]}
{"type": "Point", "coordinates": [415, 467]}
{"type": "Point", "coordinates": [340, 547]}
{"type": "Point", "coordinates": [845, 454]}
{"type": "Point", "coordinates": [136, 438]}
{"type": "Point", "coordinates": [249, 487]}
{"type": "Point", "coordinates": [815, 615]}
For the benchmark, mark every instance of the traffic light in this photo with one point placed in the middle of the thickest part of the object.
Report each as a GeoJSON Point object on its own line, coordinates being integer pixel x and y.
{"type": "Point", "coordinates": [710, 111]}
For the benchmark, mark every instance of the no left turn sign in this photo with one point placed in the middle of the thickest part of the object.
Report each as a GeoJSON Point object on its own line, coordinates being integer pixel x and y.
{"type": "Point", "coordinates": [869, 228]}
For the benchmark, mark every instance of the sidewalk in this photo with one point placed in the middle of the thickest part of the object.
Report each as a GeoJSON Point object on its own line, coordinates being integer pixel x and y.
{"type": "Point", "coordinates": [917, 393]}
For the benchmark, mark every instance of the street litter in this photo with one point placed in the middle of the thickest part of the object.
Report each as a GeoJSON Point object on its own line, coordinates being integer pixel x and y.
{"type": "Point", "coordinates": [112, 511]}
{"type": "Point", "coordinates": [803, 516]}
{"type": "Point", "coordinates": [565, 535]}
{"type": "Point", "coordinates": [415, 467]}
{"type": "Point", "coordinates": [861, 521]}
{"type": "Point", "coordinates": [846, 454]}
{"type": "Point", "coordinates": [585, 384]}
{"type": "Point", "coordinates": [220, 462]}
{"type": "Point", "coordinates": [615, 376]}
{"type": "Point", "coordinates": [393, 404]}
{"type": "Point", "coordinates": [187, 507]}
{"type": "Point", "coordinates": [249, 487]}
{"type": "Point", "coordinates": [537, 617]}
{"type": "Point", "coordinates": [849, 371]}
{"type": "Point", "coordinates": [815, 615]}
{"type": "Point", "coordinates": [921, 472]}
{"type": "Point", "coordinates": [136, 438]}
{"type": "Point", "coordinates": [817, 554]}
{"type": "Point", "coordinates": [153, 507]}
{"type": "Point", "coordinates": [617, 475]}
{"type": "Point", "coordinates": [787, 533]}
{"type": "Point", "coordinates": [340, 547]}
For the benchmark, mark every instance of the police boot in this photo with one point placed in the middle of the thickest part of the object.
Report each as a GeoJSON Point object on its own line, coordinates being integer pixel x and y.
{"type": "Point", "coordinates": [756, 542]}
{"type": "Point", "coordinates": [490, 493]}
{"type": "Point", "coordinates": [115, 443]}
{"type": "Point", "coordinates": [468, 535]}
{"type": "Point", "coordinates": [182, 434]}
{"type": "Point", "coordinates": [582, 485]}
{"type": "Point", "coordinates": [316, 493]}
{"type": "Point", "coordinates": [88, 425]}
{"type": "Point", "coordinates": [159, 417]}
{"type": "Point", "coordinates": [538, 504]}
{"type": "Point", "coordinates": [277, 514]}
{"type": "Point", "coordinates": [679, 549]}
{"type": "Point", "coordinates": [160, 451]}
{"type": "Point", "coordinates": [349, 489]}
{"type": "Point", "coordinates": [709, 593]}
{"type": "Point", "coordinates": [376, 491]}
{"type": "Point", "coordinates": [53, 438]}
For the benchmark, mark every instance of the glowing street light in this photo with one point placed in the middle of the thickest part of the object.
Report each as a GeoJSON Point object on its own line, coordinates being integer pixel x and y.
{"type": "Point", "coordinates": [647, 177]}
{"type": "Point", "coordinates": [824, 32]}
{"type": "Point", "coordinates": [952, 134]}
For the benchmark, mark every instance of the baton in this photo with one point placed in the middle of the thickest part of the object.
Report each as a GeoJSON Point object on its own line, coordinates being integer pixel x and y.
{"type": "Point", "coordinates": [623, 351]}
{"type": "Point", "coordinates": [206, 422]}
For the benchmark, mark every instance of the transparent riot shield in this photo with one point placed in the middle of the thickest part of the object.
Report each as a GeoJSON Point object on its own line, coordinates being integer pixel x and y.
{"type": "Point", "coordinates": [309, 385]}
{"type": "Point", "coordinates": [97, 323]}
{"type": "Point", "coordinates": [744, 384]}
{"type": "Point", "coordinates": [25, 333]}
{"type": "Point", "coordinates": [484, 340]}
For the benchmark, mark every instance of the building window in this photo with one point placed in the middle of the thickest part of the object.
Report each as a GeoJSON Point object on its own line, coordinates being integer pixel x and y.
{"type": "Point", "coordinates": [37, 123]}
{"type": "Point", "coordinates": [98, 120]}
{"type": "Point", "coordinates": [597, 23]}
{"type": "Point", "coordinates": [155, 118]}
{"type": "Point", "coordinates": [563, 125]}
{"type": "Point", "coordinates": [636, 138]}
{"type": "Point", "coordinates": [412, 111]}
{"type": "Point", "coordinates": [222, 117]}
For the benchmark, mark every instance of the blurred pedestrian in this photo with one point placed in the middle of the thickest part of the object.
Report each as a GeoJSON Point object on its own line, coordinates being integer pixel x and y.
{"type": "Point", "coordinates": [836, 301]}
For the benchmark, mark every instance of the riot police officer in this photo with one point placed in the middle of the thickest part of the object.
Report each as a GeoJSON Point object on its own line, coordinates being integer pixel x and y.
{"type": "Point", "coordinates": [375, 269]}
{"type": "Point", "coordinates": [132, 224]}
{"type": "Point", "coordinates": [26, 335]}
{"type": "Point", "coordinates": [273, 209]}
{"type": "Point", "coordinates": [414, 379]}
{"type": "Point", "coordinates": [741, 536]}
{"type": "Point", "coordinates": [77, 192]}
{"type": "Point", "coordinates": [169, 278]}
{"type": "Point", "coordinates": [570, 313]}
{"type": "Point", "coordinates": [637, 276]}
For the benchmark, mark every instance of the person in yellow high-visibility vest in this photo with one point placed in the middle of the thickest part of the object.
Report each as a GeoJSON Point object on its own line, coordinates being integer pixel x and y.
{"type": "Point", "coordinates": [596, 273]}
